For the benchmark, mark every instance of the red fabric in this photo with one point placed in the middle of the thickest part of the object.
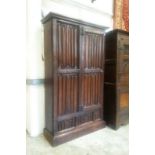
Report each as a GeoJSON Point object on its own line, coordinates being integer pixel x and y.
{"type": "Point", "coordinates": [125, 14]}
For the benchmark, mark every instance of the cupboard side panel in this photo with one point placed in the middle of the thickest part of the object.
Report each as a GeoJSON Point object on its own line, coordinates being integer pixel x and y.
{"type": "Point", "coordinates": [110, 45]}
{"type": "Point", "coordinates": [110, 107]}
{"type": "Point", "coordinates": [48, 75]}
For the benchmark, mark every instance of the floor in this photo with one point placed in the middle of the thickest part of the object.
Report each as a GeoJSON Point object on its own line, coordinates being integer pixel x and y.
{"type": "Point", "coordinates": [102, 142]}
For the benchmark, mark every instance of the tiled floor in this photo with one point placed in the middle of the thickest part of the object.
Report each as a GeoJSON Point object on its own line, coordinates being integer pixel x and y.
{"type": "Point", "coordinates": [102, 142]}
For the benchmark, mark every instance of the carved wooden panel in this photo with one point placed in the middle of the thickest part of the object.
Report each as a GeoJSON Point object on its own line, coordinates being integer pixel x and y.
{"type": "Point", "coordinates": [68, 46]}
{"type": "Point", "coordinates": [93, 51]}
{"type": "Point", "coordinates": [65, 124]}
{"type": "Point", "coordinates": [80, 119]}
{"type": "Point", "coordinates": [68, 87]}
{"type": "Point", "coordinates": [91, 89]}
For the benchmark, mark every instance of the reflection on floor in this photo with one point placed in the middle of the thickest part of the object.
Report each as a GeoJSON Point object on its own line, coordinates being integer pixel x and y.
{"type": "Point", "coordinates": [102, 142]}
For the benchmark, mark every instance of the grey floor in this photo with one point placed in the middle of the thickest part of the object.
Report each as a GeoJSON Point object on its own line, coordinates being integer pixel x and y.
{"type": "Point", "coordinates": [102, 142]}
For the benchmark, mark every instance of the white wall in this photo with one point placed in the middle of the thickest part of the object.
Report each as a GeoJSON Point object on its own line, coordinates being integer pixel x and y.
{"type": "Point", "coordinates": [100, 12]}
{"type": "Point", "coordinates": [35, 64]}
{"type": "Point", "coordinates": [35, 69]}
{"type": "Point", "coordinates": [35, 109]}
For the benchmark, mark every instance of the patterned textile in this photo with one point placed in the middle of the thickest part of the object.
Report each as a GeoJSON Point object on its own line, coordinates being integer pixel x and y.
{"type": "Point", "coordinates": [121, 14]}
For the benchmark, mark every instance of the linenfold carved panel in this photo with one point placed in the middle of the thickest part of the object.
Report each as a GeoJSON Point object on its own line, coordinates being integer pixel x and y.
{"type": "Point", "coordinates": [79, 120]}
{"type": "Point", "coordinates": [91, 88]}
{"type": "Point", "coordinates": [68, 86]}
{"type": "Point", "coordinates": [93, 50]}
{"type": "Point", "coordinates": [67, 44]}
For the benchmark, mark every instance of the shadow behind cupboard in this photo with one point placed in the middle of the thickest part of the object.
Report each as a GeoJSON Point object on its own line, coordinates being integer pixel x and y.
{"type": "Point", "coordinates": [74, 67]}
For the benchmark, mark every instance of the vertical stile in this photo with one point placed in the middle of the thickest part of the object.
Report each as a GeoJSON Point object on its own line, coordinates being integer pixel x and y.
{"type": "Point", "coordinates": [58, 100]}
{"type": "Point", "coordinates": [86, 93]}
{"type": "Point", "coordinates": [102, 49]}
{"type": "Point", "coordinates": [100, 58]}
{"type": "Point", "coordinates": [87, 49]}
{"type": "Point", "coordinates": [97, 52]}
{"type": "Point", "coordinates": [72, 93]}
{"type": "Point", "coordinates": [65, 93]}
{"type": "Point", "coordinates": [89, 88]}
{"type": "Point", "coordinates": [93, 89]}
{"type": "Point", "coordinates": [92, 50]}
{"type": "Point", "coordinates": [71, 47]}
{"type": "Point", "coordinates": [91, 97]}
{"type": "Point", "coordinates": [64, 46]}
{"type": "Point", "coordinates": [67, 52]}
{"type": "Point", "coordinates": [76, 97]}
{"type": "Point", "coordinates": [99, 87]}
{"type": "Point", "coordinates": [75, 48]}
{"type": "Point", "coordinates": [59, 55]}
{"type": "Point", "coordinates": [60, 95]}
{"type": "Point", "coordinates": [96, 86]}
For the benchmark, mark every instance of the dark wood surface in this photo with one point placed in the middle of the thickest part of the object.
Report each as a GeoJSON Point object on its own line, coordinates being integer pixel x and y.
{"type": "Point", "coordinates": [116, 78]}
{"type": "Point", "coordinates": [74, 72]}
{"type": "Point", "coordinates": [72, 133]}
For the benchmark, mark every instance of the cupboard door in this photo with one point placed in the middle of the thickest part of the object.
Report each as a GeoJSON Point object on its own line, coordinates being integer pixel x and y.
{"type": "Point", "coordinates": [67, 74]}
{"type": "Point", "coordinates": [91, 71]}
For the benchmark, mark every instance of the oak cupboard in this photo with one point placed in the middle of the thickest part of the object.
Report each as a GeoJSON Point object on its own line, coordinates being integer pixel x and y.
{"type": "Point", "coordinates": [74, 77]}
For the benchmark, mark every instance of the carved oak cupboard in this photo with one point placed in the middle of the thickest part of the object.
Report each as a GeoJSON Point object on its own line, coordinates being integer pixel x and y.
{"type": "Point", "coordinates": [74, 66]}
{"type": "Point", "coordinates": [116, 78]}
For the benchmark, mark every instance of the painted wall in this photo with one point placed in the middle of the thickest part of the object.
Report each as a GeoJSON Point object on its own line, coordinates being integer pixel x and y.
{"type": "Point", "coordinates": [100, 12]}
{"type": "Point", "coordinates": [35, 69]}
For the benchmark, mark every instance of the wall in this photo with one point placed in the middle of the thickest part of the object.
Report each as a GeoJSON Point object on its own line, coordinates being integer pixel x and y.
{"type": "Point", "coordinates": [35, 69]}
{"type": "Point", "coordinates": [100, 12]}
